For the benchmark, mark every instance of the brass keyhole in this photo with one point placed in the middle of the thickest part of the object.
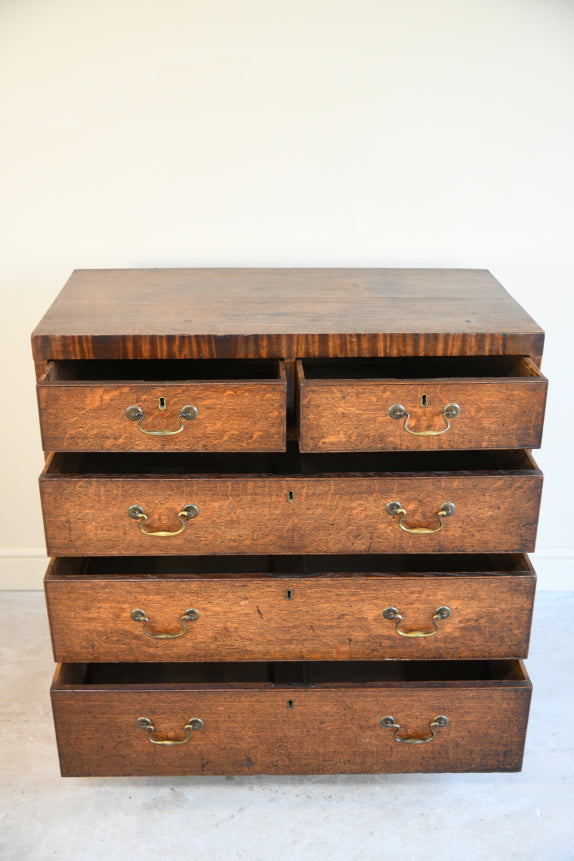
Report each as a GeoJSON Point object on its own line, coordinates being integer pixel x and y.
{"type": "Point", "coordinates": [162, 403]}
{"type": "Point", "coordinates": [290, 496]}
{"type": "Point", "coordinates": [424, 401]}
{"type": "Point", "coordinates": [289, 594]}
{"type": "Point", "coordinates": [290, 704]}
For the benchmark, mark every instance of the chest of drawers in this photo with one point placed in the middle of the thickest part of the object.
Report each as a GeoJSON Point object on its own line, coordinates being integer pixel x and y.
{"type": "Point", "coordinates": [288, 513]}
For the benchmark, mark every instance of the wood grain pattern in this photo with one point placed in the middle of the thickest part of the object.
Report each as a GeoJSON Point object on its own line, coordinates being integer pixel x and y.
{"type": "Point", "coordinates": [496, 511]}
{"type": "Point", "coordinates": [249, 617]}
{"type": "Point", "coordinates": [330, 728]}
{"type": "Point", "coordinates": [283, 313]}
{"type": "Point", "coordinates": [232, 416]}
{"type": "Point", "coordinates": [353, 414]}
{"type": "Point", "coordinates": [288, 717]}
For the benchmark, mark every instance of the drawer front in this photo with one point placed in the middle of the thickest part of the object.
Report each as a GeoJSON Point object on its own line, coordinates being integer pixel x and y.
{"type": "Point", "coordinates": [262, 618]}
{"type": "Point", "coordinates": [241, 415]}
{"type": "Point", "coordinates": [289, 730]}
{"type": "Point", "coordinates": [413, 415]}
{"type": "Point", "coordinates": [90, 515]}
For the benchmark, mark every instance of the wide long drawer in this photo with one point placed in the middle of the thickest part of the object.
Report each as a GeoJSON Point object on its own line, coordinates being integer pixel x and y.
{"type": "Point", "coordinates": [169, 719]}
{"type": "Point", "coordinates": [289, 608]}
{"type": "Point", "coordinates": [163, 406]}
{"type": "Point", "coordinates": [425, 404]}
{"type": "Point", "coordinates": [441, 502]}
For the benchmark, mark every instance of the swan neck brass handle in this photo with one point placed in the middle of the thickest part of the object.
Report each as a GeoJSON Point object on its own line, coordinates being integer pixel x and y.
{"type": "Point", "coordinates": [146, 724]}
{"type": "Point", "coordinates": [450, 412]}
{"type": "Point", "coordinates": [136, 414]}
{"type": "Point", "coordinates": [395, 509]}
{"type": "Point", "coordinates": [136, 512]}
{"type": "Point", "coordinates": [141, 616]}
{"type": "Point", "coordinates": [393, 615]}
{"type": "Point", "coordinates": [436, 723]}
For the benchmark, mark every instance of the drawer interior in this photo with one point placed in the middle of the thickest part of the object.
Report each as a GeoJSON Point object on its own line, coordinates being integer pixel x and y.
{"type": "Point", "coordinates": [162, 567]}
{"type": "Point", "coordinates": [297, 673]}
{"type": "Point", "coordinates": [291, 462]}
{"type": "Point", "coordinates": [182, 370]}
{"type": "Point", "coordinates": [407, 368]}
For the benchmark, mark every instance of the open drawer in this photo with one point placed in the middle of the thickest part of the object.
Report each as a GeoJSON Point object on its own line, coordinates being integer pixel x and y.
{"type": "Point", "coordinates": [139, 405]}
{"type": "Point", "coordinates": [378, 502]}
{"type": "Point", "coordinates": [298, 718]}
{"type": "Point", "coordinates": [420, 404]}
{"type": "Point", "coordinates": [291, 608]}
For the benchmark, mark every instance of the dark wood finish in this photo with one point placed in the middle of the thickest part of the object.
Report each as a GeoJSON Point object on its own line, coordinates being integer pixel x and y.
{"type": "Point", "coordinates": [317, 615]}
{"type": "Point", "coordinates": [283, 313]}
{"type": "Point", "coordinates": [332, 726]}
{"type": "Point", "coordinates": [353, 414]}
{"type": "Point", "coordinates": [496, 509]}
{"type": "Point", "coordinates": [288, 717]}
{"type": "Point", "coordinates": [85, 415]}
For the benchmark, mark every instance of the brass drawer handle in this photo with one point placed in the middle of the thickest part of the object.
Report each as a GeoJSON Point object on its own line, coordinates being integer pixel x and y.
{"type": "Point", "coordinates": [136, 414]}
{"type": "Point", "coordinates": [397, 411]}
{"type": "Point", "coordinates": [393, 615]}
{"type": "Point", "coordinates": [446, 510]}
{"type": "Point", "coordinates": [188, 616]}
{"type": "Point", "coordinates": [136, 512]}
{"type": "Point", "coordinates": [146, 724]}
{"type": "Point", "coordinates": [438, 722]}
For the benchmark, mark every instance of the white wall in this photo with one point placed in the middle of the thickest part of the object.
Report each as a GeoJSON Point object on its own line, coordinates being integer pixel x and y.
{"type": "Point", "coordinates": [313, 132]}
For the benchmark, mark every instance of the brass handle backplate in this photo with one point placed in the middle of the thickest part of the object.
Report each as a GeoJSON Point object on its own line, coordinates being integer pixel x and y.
{"type": "Point", "coordinates": [438, 722]}
{"type": "Point", "coordinates": [188, 616]}
{"type": "Point", "coordinates": [393, 615]}
{"type": "Point", "coordinates": [146, 724]}
{"type": "Point", "coordinates": [136, 414]}
{"type": "Point", "coordinates": [451, 411]}
{"type": "Point", "coordinates": [187, 512]}
{"type": "Point", "coordinates": [446, 510]}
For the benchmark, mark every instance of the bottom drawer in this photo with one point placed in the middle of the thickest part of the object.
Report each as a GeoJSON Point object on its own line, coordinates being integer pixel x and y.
{"type": "Point", "coordinates": [290, 718]}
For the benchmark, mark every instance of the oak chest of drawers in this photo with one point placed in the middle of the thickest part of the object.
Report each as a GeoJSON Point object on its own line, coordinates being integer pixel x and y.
{"type": "Point", "coordinates": [288, 513]}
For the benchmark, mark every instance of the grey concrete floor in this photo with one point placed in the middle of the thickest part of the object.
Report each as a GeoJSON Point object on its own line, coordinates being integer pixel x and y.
{"type": "Point", "coordinates": [482, 816]}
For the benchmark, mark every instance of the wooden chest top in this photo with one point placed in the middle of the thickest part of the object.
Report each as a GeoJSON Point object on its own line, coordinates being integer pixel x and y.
{"type": "Point", "coordinates": [289, 313]}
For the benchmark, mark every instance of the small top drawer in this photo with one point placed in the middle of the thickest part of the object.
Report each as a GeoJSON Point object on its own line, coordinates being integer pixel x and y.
{"type": "Point", "coordinates": [420, 404]}
{"type": "Point", "coordinates": [203, 405]}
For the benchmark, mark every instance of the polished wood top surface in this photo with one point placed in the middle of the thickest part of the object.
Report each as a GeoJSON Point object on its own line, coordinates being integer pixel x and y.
{"type": "Point", "coordinates": [232, 313]}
